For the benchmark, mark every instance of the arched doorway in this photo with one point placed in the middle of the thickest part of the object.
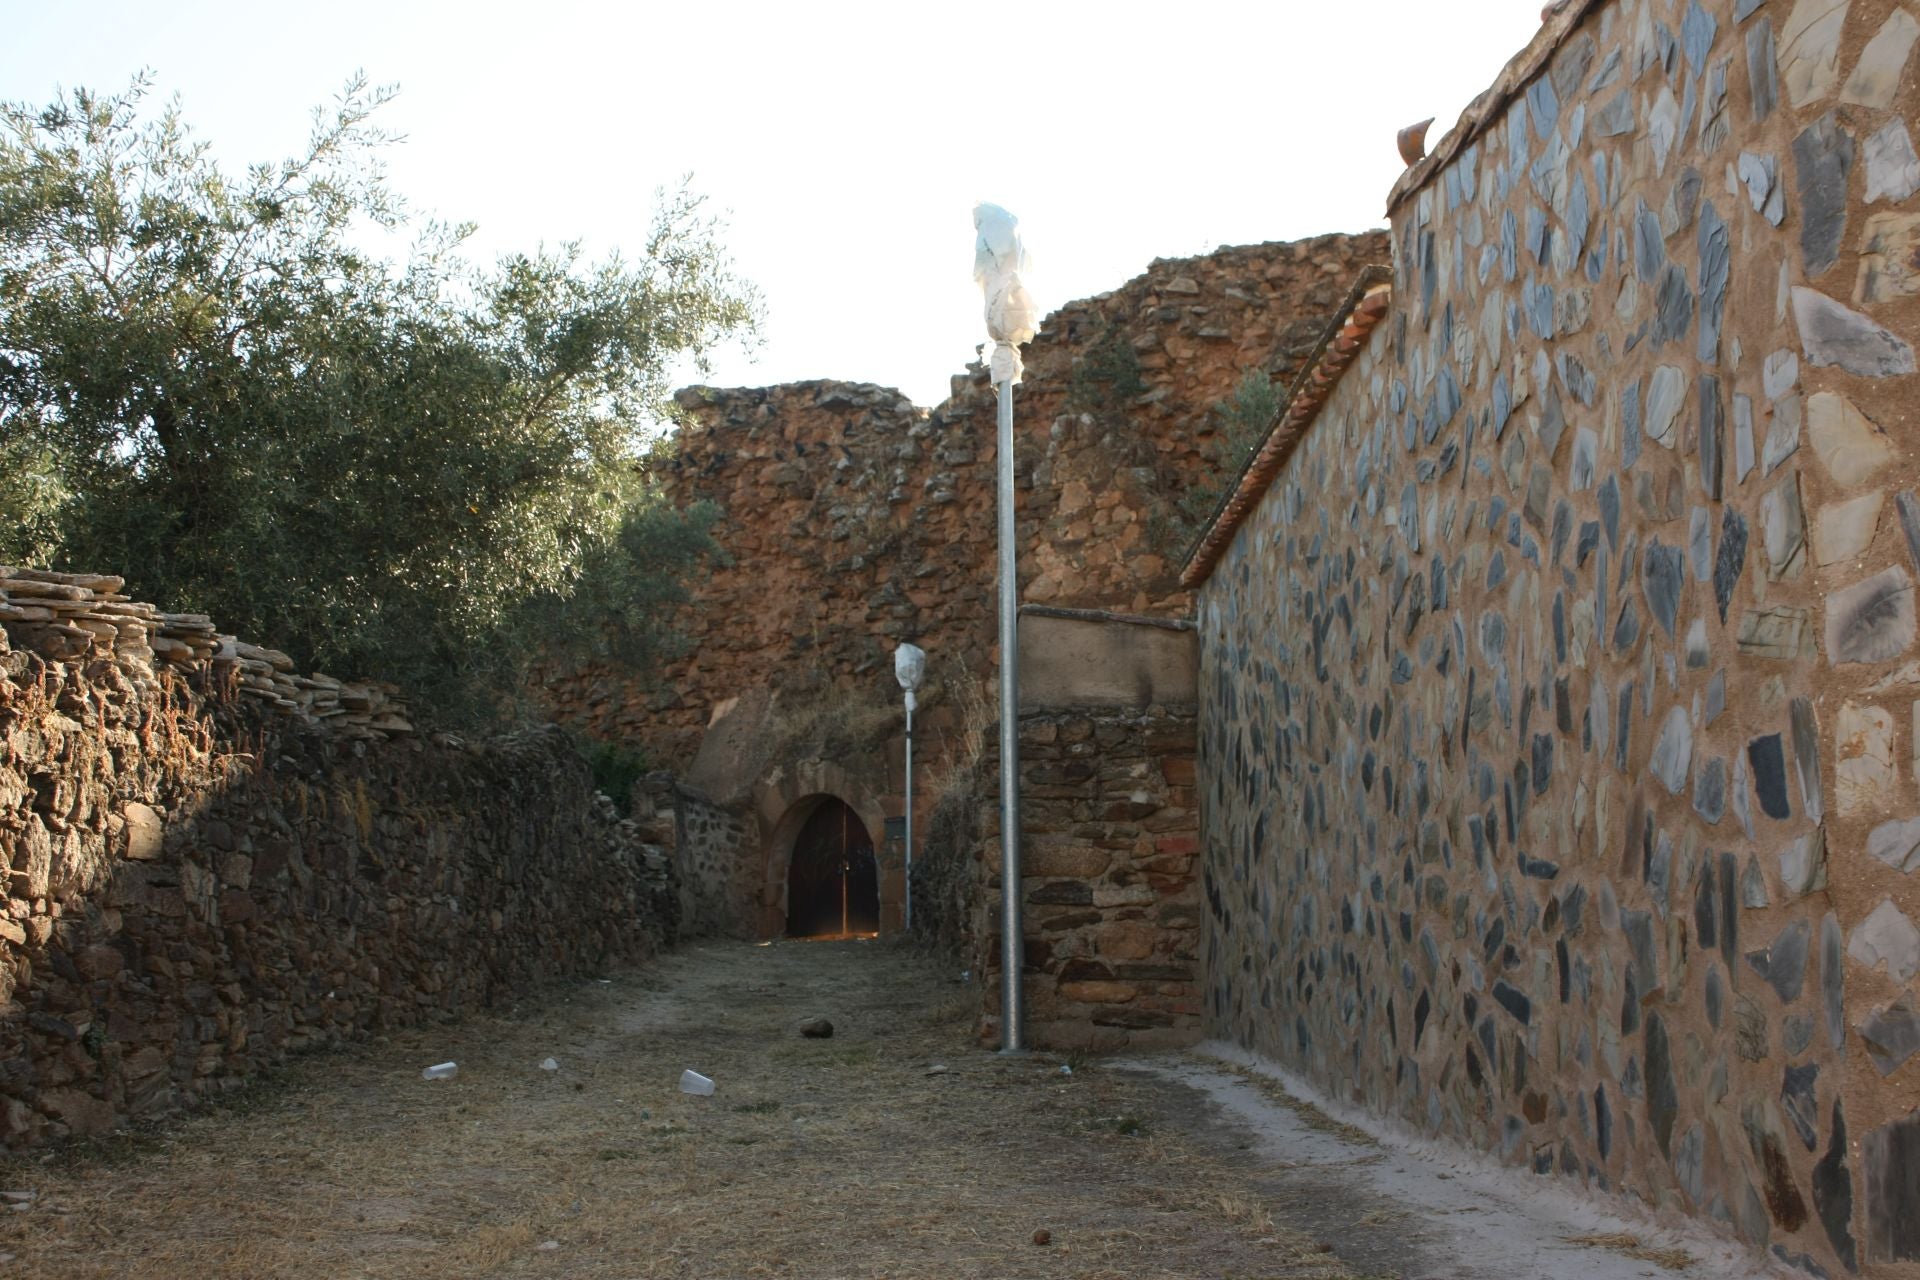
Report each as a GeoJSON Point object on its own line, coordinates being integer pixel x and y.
{"type": "Point", "coordinates": [833, 879]}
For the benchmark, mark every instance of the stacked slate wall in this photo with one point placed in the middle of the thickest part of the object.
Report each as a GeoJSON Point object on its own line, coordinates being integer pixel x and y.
{"type": "Point", "coordinates": [203, 880]}
{"type": "Point", "coordinates": [1559, 699]}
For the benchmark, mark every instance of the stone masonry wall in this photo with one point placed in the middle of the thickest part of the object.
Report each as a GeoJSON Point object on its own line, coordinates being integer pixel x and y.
{"type": "Point", "coordinates": [202, 881]}
{"type": "Point", "coordinates": [855, 520]}
{"type": "Point", "coordinates": [1111, 901]}
{"type": "Point", "coordinates": [1559, 699]}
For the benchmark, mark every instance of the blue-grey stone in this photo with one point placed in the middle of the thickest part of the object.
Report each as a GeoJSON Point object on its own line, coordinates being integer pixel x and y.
{"type": "Point", "coordinates": [1586, 542]}
{"type": "Point", "coordinates": [1615, 117]}
{"type": "Point", "coordinates": [1762, 69]}
{"type": "Point", "coordinates": [1663, 1098]}
{"type": "Point", "coordinates": [1689, 1162]}
{"type": "Point", "coordinates": [1908, 508]}
{"type": "Point", "coordinates": [1580, 383]}
{"type": "Point", "coordinates": [1710, 791]}
{"type": "Point", "coordinates": [1833, 335]}
{"type": "Point", "coordinates": [1872, 620]}
{"type": "Point", "coordinates": [1630, 428]}
{"type": "Point", "coordinates": [1673, 751]}
{"type": "Point", "coordinates": [1649, 244]}
{"type": "Point", "coordinates": [1544, 104]}
{"type": "Point", "coordinates": [1782, 964]}
{"type": "Point", "coordinates": [1717, 696]}
{"type": "Point", "coordinates": [1891, 1156]}
{"type": "Point", "coordinates": [1697, 652]}
{"type": "Point", "coordinates": [1509, 247]}
{"type": "Point", "coordinates": [1806, 757]}
{"type": "Point", "coordinates": [1742, 9]}
{"type": "Point", "coordinates": [1731, 559]}
{"type": "Point", "coordinates": [1893, 171]}
{"type": "Point", "coordinates": [1696, 36]}
{"type": "Point", "coordinates": [1761, 175]}
{"type": "Point", "coordinates": [1796, 1033]}
{"type": "Point", "coordinates": [1537, 242]}
{"type": "Point", "coordinates": [1710, 433]}
{"type": "Point", "coordinates": [1770, 775]}
{"type": "Point", "coordinates": [1700, 543]}
{"type": "Point", "coordinates": [1537, 299]}
{"type": "Point", "coordinates": [1609, 498]}
{"type": "Point", "coordinates": [1742, 438]}
{"type": "Point", "coordinates": [1623, 726]}
{"type": "Point", "coordinates": [1833, 1193]}
{"type": "Point", "coordinates": [1822, 160]}
{"type": "Point", "coordinates": [1891, 1035]}
{"type": "Point", "coordinates": [1664, 572]}
{"type": "Point", "coordinates": [1626, 630]}
{"type": "Point", "coordinates": [1553, 422]}
{"type": "Point", "coordinates": [1768, 1143]}
{"type": "Point", "coordinates": [1673, 306]}
{"type": "Point", "coordinates": [1586, 452]}
{"type": "Point", "coordinates": [1711, 237]}
{"type": "Point", "coordinates": [1514, 1001]}
{"type": "Point", "coordinates": [1799, 1100]}
{"type": "Point", "coordinates": [1779, 373]}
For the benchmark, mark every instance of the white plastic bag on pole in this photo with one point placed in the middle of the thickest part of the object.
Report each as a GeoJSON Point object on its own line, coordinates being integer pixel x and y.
{"type": "Point", "coordinates": [998, 260]}
{"type": "Point", "coordinates": [909, 668]}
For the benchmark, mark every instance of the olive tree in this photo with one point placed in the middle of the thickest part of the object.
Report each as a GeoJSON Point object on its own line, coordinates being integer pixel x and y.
{"type": "Point", "coordinates": [390, 468]}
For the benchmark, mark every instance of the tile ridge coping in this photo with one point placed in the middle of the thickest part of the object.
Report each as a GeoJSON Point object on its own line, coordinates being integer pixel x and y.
{"type": "Point", "coordinates": [1366, 305]}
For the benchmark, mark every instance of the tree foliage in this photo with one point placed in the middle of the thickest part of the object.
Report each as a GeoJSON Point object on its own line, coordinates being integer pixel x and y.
{"type": "Point", "coordinates": [402, 469]}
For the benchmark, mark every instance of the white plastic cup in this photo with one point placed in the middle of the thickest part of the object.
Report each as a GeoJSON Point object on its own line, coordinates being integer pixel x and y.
{"type": "Point", "coordinates": [696, 1084]}
{"type": "Point", "coordinates": [441, 1071]}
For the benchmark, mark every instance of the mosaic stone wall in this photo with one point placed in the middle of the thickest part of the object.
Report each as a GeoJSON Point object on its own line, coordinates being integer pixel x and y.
{"type": "Point", "coordinates": [1560, 697]}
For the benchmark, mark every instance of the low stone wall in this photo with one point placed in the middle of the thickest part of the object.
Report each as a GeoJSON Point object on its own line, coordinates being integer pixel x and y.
{"type": "Point", "coordinates": [718, 874]}
{"type": "Point", "coordinates": [202, 883]}
{"type": "Point", "coordinates": [1110, 838]}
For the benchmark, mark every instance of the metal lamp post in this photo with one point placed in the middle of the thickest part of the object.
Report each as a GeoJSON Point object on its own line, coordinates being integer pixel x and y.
{"type": "Point", "coordinates": [998, 260]}
{"type": "Point", "coordinates": [909, 668]}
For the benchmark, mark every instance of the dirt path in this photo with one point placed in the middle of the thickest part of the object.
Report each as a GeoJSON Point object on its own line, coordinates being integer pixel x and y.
{"type": "Point", "coordinates": [854, 1156]}
{"type": "Point", "coordinates": [896, 1148]}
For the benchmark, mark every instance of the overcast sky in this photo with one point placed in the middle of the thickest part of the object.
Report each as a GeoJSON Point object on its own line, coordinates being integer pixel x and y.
{"type": "Point", "coordinates": [846, 143]}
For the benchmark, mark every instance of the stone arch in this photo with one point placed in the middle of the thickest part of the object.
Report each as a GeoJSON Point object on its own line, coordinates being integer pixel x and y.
{"type": "Point", "coordinates": [833, 874]}
{"type": "Point", "coordinates": [785, 800]}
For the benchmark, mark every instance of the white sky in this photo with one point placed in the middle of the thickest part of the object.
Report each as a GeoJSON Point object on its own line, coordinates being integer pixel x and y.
{"type": "Point", "coordinates": [846, 143]}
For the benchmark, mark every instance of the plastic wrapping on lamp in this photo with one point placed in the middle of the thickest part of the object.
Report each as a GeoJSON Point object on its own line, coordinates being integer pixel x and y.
{"type": "Point", "coordinates": [998, 260]}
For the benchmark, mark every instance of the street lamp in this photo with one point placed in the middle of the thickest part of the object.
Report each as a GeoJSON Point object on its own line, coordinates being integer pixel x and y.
{"type": "Point", "coordinates": [998, 260]}
{"type": "Point", "coordinates": [909, 668]}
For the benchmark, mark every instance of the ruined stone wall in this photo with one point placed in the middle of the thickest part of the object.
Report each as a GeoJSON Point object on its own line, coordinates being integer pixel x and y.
{"type": "Point", "coordinates": [854, 520]}
{"type": "Point", "coordinates": [1111, 899]}
{"type": "Point", "coordinates": [1557, 739]}
{"type": "Point", "coordinates": [204, 879]}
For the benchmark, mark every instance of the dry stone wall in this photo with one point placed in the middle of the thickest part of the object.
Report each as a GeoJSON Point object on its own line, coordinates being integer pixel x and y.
{"type": "Point", "coordinates": [1560, 697]}
{"type": "Point", "coordinates": [205, 873]}
{"type": "Point", "coordinates": [854, 520]}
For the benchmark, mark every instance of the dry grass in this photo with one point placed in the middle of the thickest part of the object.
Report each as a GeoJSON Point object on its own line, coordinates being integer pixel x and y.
{"type": "Point", "coordinates": [842, 1157]}
{"type": "Point", "coordinates": [1621, 1242]}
